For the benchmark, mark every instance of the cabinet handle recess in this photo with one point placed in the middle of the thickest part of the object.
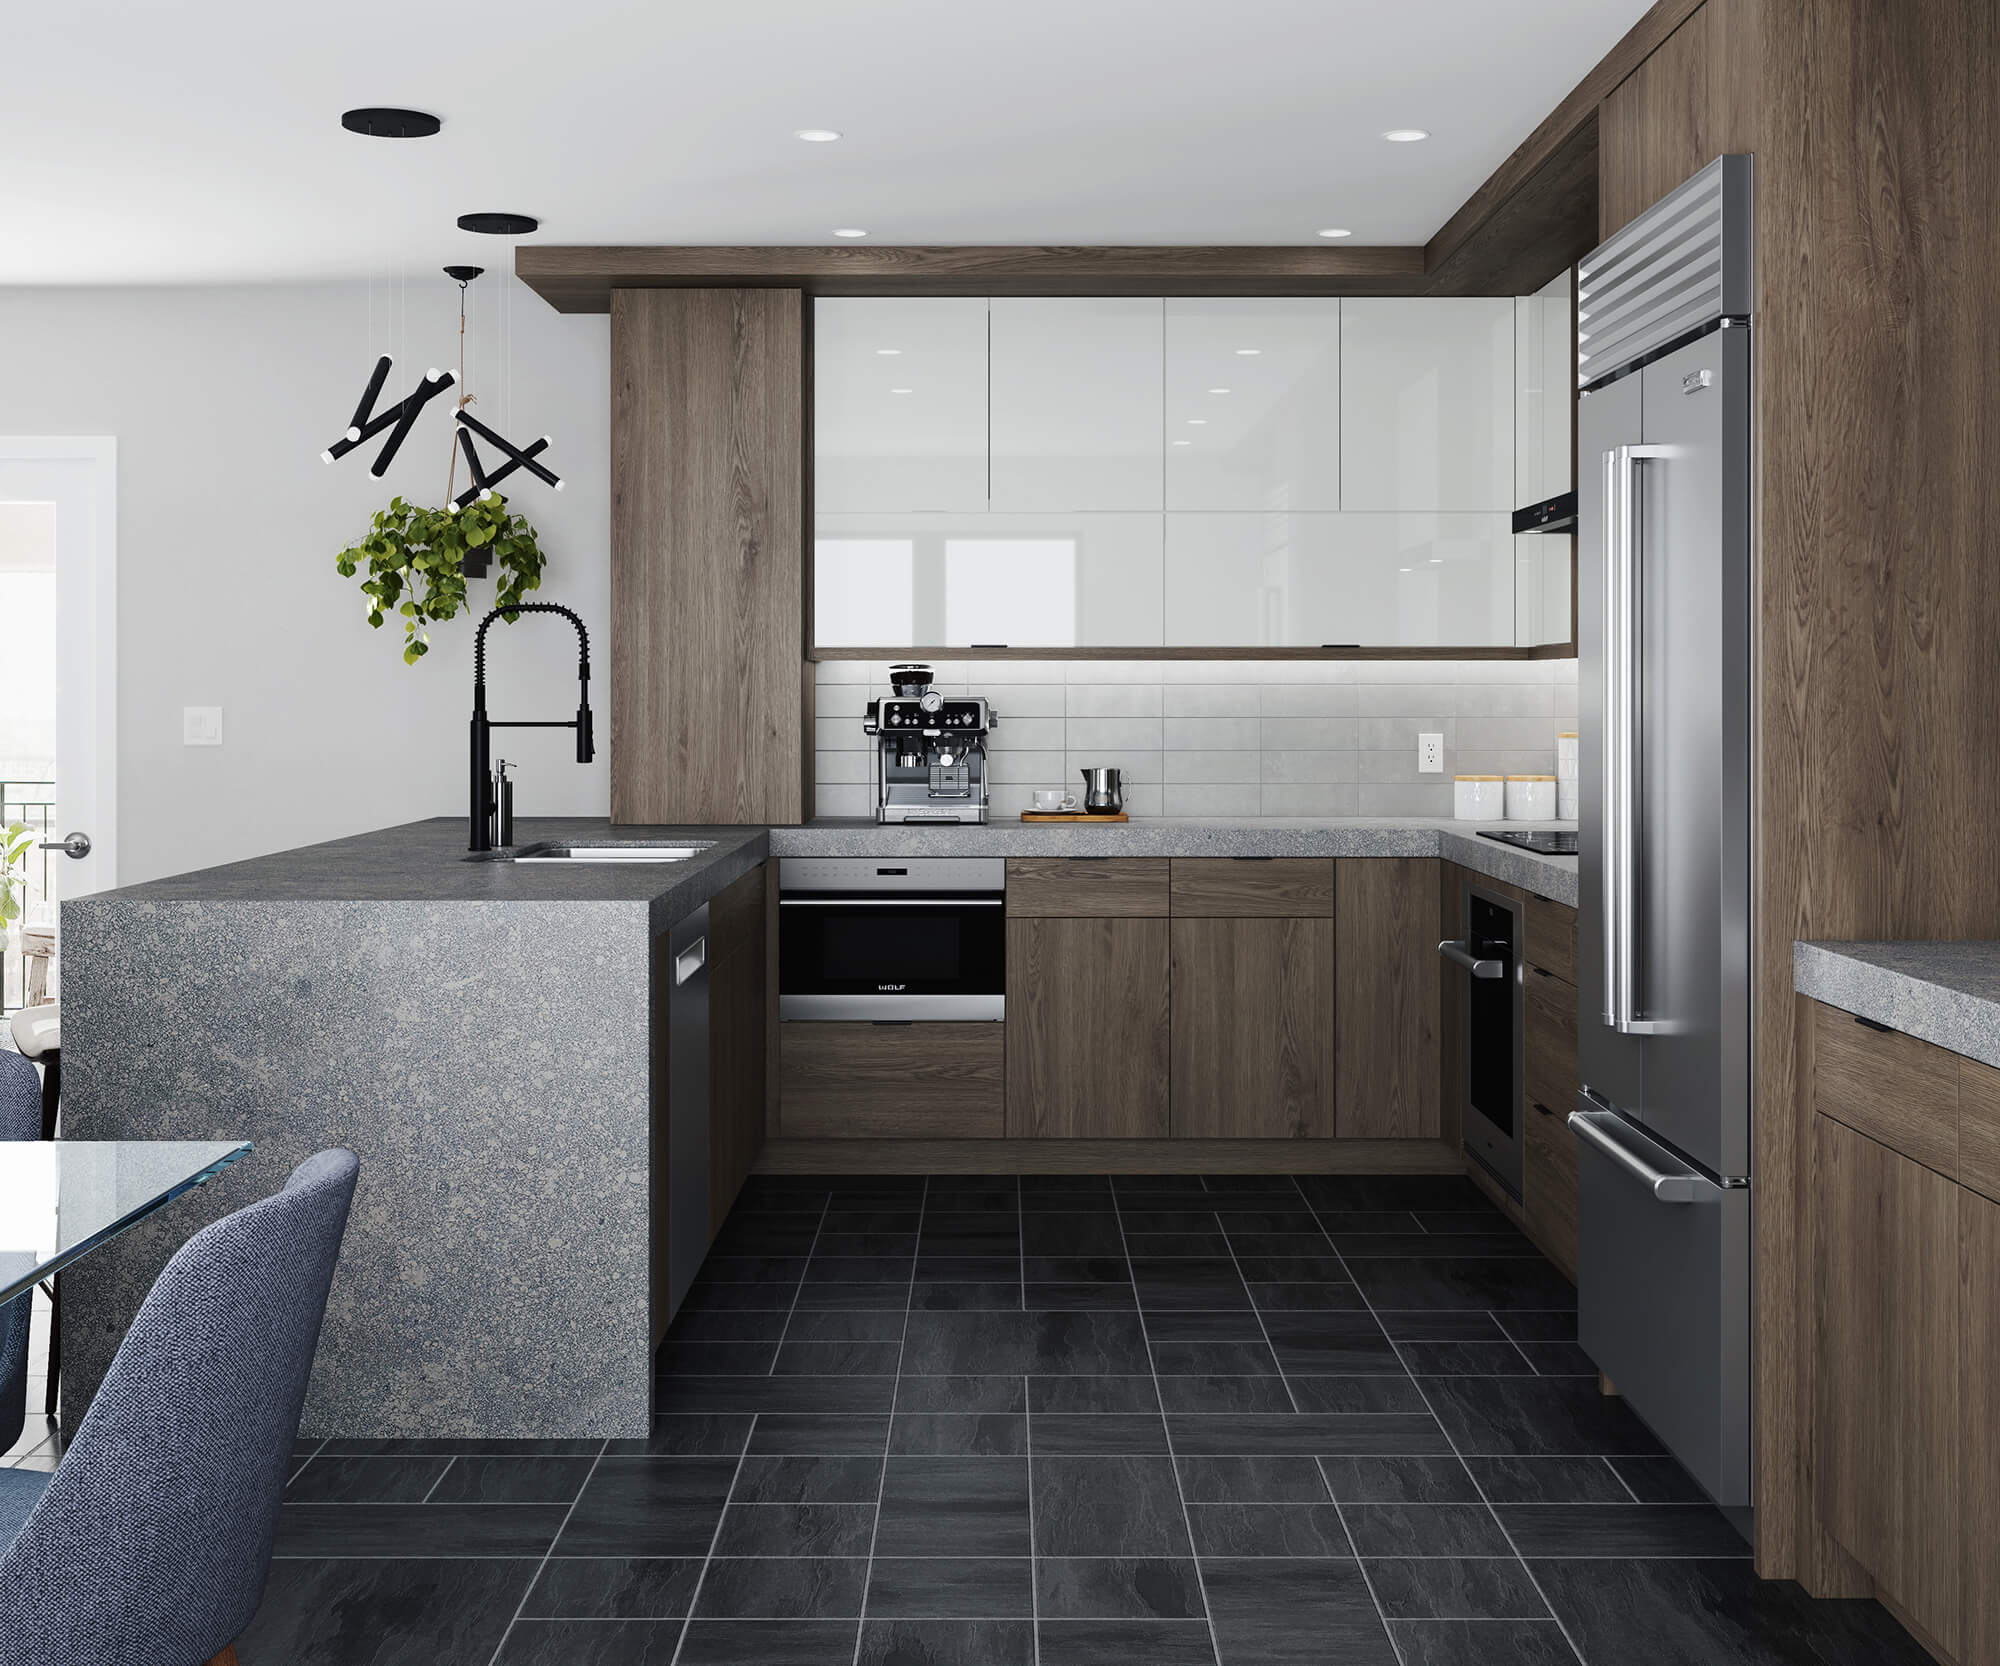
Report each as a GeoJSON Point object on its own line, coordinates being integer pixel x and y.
{"type": "Point", "coordinates": [1870, 1024]}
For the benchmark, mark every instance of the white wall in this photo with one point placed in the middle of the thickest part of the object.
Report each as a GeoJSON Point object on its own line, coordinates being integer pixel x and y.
{"type": "Point", "coordinates": [221, 400]}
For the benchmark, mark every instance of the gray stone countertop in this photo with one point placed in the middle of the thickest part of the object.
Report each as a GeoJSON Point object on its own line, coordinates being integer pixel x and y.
{"type": "Point", "coordinates": [1553, 877]}
{"type": "Point", "coordinates": [1944, 993]}
{"type": "Point", "coordinates": [424, 861]}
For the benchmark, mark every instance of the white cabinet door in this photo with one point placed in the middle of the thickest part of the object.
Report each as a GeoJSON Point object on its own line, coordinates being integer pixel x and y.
{"type": "Point", "coordinates": [899, 404]}
{"type": "Point", "coordinates": [1545, 392]}
{"type": "Point", "coordinates": [1088, 579]}
{"type": "Point", "coordinates": [1076, 404]}
{"type": "Point", "coordinates": [1427, 404]}
{"type": "Point", "coordinates": [1543, 563]}
{"type": "Point", "coordinates": [1366, 580]}
{"type": "Point", "coordinates": [1253, 404]}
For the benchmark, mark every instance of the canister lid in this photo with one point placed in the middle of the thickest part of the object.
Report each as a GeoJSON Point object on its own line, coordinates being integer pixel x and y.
{"type": "Point", "coordinates": [1531, 777]}
{"type": "Point", "coordinates": [1478, 778]}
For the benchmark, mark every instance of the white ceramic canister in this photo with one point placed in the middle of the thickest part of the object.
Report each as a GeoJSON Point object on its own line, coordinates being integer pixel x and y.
{"type": "Point", "coordinates": [1531, 798]}
{"type": "Point", "coordinates": [1566, 800]}
{"type": "Point", "coordinates": [1478, 797]}
{"type": "Point", "coordinates": [1566, 757]}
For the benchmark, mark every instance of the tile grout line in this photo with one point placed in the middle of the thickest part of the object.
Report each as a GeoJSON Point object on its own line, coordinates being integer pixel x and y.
{"type": "Point", "coordinates": [1575, 1648]}
{"type": "Point", "coordinates": [1028, 1408]}
{"type": "Point", "coordinates": [1627, 1485]}
{"type": "Point", "coordinates": [314, 1453]}
{"type": "Point", "coordinates": [1263, 1329]}
{"type": "Point", "coordinates": [825, 1209]}
{"type": "Point", "coordinates": [714, 1539]}
{"type": "Point", "coordinates": [441, 1474]}
{"type": "Point", "coordinates": [889, 1434]}
{"type": "Point", "coordinates": [1173, 1458]}
{"type": "Point", "coordinates": [529, 1589]}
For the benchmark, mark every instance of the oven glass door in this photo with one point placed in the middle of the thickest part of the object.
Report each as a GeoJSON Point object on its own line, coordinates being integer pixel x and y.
{"type": "Point", "coordinates": [843, 956]}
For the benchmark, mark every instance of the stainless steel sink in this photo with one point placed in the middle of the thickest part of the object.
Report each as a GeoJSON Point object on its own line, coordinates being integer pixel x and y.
{"type": "Point", "coordinates": [607, 850]}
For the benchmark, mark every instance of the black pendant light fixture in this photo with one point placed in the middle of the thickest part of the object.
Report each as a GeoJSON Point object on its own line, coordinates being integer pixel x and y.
{"type": "Point", "coordinates": [399, 418]}
{"type": "Point", "coordinates": [482, 481]}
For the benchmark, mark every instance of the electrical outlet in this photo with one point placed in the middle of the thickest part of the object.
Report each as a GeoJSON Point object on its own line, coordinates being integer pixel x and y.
{"type": "Point", "coordinates": [1430, 754]}
{"type": "Point", "coordinates": [201, 725]}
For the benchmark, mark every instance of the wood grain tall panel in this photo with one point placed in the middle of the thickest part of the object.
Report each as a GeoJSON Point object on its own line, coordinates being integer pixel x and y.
{"type": "Point", "coordinates": [707, 555]}
{"type": "Point", "coordinates": [1386, 1010]}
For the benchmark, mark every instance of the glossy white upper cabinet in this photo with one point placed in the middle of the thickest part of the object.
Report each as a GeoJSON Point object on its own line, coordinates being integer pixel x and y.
{"type": "Point", "coordinates": [1076, 404]}
{"type": "Point", "coordinates": [1253, 404]}
{"type": "Point", "coordinates": [899, 404]}
{"type": "Point", "coordinates": [1545, 391]}
{"type": "Point", "coordinates": [1348, 580]}
{"type": "Point", "coordinates": [1544, 563]}
{"type": "Point", "coordinates": [1427, 404]}
{"type": "Point", "coordinates": [1088, 579]}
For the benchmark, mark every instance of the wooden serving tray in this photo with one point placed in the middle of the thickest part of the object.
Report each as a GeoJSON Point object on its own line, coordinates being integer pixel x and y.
{"type": "Point", "coordinates": [1070, 815]}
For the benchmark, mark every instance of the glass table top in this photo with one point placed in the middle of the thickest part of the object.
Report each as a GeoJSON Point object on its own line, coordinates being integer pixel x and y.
{"type": "Point", "coordinates": [60, 1199]}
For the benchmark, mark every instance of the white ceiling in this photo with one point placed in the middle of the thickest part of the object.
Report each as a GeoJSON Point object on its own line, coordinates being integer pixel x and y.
{"type": "Point", "coordinates": [148, 141]}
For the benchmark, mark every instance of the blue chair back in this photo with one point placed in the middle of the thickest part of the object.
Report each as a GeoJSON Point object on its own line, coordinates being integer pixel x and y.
{"type": "Point", "coordinates": [153, 1540]}
{"type": "Point", "coordinates": [20, 1119]}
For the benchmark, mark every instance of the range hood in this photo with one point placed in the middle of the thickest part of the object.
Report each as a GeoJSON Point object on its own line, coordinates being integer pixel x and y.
{"type": "Point", "coordinates": [1556, 514]}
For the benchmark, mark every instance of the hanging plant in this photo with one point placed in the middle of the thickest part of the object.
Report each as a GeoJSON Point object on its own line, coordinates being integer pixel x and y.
{"type": "Point", "coordinates": [416, 561]}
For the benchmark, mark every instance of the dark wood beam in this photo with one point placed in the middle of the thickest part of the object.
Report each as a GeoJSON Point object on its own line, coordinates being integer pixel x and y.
{"type": "Point", "coordinates": [1546, 226]}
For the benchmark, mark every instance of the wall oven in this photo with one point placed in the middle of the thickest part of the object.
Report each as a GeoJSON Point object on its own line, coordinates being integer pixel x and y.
{"type": "Point", "coordinates": [1489, 955]}
{"type": "Point", "coordinates": [896, 940]}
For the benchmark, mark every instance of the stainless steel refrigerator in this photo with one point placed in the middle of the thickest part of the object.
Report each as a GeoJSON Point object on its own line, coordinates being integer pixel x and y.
{"type": "Point", "coordinates": [1663, 627]}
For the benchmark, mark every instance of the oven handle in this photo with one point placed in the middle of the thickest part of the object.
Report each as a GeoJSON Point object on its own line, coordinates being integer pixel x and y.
{"type": "Point", "coordinates": [1457, 954]}
{"type": "Point", "coordinates": [861, 899]}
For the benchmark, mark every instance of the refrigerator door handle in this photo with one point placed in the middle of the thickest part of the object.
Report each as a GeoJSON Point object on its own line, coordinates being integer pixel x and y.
{"type": "Point", "coordinates": [1622, 572]}
{"type": "Point", "coordinates": [1665, 1187]}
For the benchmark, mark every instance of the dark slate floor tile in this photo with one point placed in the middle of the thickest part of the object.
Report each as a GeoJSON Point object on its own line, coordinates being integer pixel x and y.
{"type": "Point", "coordinates": [729, 1325]}
{"type": "Point", "coordinates": [1341, 1297]}
{"type": "Point", "coordinates": [1548, 1481]}
{"type": "Point", "coordinates": [946, 1587]}
{"type": "Point", "coordinates": [796, 1530]}
{"type": "Point", "coordinates": [1352, 1394]}
{"type": "Point", "coordinates": [332, 1613]}
{"type": "Point", "coordinates": [1226, 1394]}
{"type": "Point", "coordinates": [775, 1479]}
{"type": "Point", "coordinates": [839, 1359]}
{"type": "Point", "coordinates": [844, 1245]}
{"type": "Point", "coordinates": [762, 1643]}
{"type": "Point", "coordinates": [1251, 1480]}
{"type": "Point", "coordinates": [529, 1480]}
{"type": "Point", "coordinates": [715, 1359]}
{"type": "Point", "coordinates": [1455, 1588]}
{"type": "Point", "coordinates": [1449, 1223]}
{"type": "Point", "coordinates": [1331, 1344]}
{"type": "Point", "coordinates": [828, 1433]}
{"type": "Point", "coordinates": [1063, 1344]}
{"type": "Point", "coordinates": [1621, 1530]}
{"type": "Point", "coordinates": [1424, 1530]}
{"type": "Point", "coordinates": [1440, 1324]}
{"type": "Point", "coordinates": [1122, 1642]}
{"type": "Point", "coordinates": [1192, 1325]}
{"type": "Point", "coordinates": [838, 1326]}
{"type": "Point", "coordinates": [1372, 1192]}
{"type": "Point", "coordinates": [871, 1220]}
{"type": "Point", "coordinates": [1323, 1268]}
{"type": "Point", "coordinates": [1117, 1588]}
{"type": "Point", "coordinates": [1273, 1613]}
{"type": "Point", "coordinates": [753, 1269]}
{"type": "Point", "coordinates": [1482, 1643]}
{"type": "Point", "coordinates": [1435, 1479]}
{"type": "Point", "coordinates": [1308, 1240]}
{"type": "Point", "coordinates": [1071, 1235]}
{"type": "Point", "coordinates": [614, 1587]}
{"type": "Point", "coordinates": [404, 1530]}
{"type": "Point", "coordinates": [975, 1642]}
{"type": "Point", "coordinates": [1697, 1613]}
{"type": "Point", "coordinates": [1092, 1394]}
{"type": "Point", "coordinates": [1076, 1269]}
{"type": "Point", "coordinates": [1178, 1245]}
{"type": "Point", "coordinates": [645, 1507]}
{"type": "Point", "coordinates": [954, 1507]}
{"type": "Point", "coordinates": [891, 1295]}
{"type": "Point", "coordinates": [1505, 1242]}
{"type": "Point", "coordinates": [933, 1393]}
{"type": "Point", "coordinates": [782, 1394]}
{"type": "Point", "coordinates": [784, 1588]}
{"type": "Point", "coordinates": [1079, 1298]}
{"type": "Point", "coordinates": [1213, 1359]}
{"type": "Point", "coordinates": [1207, 1284]}
{"type": "Point", "coordinates": [712, 1296]}
{"type": "Point", "coordinates": [1312, 1435]}
{"type": "Point", "coordinates": [857, 1269]}
{"type": "Point", "coordinates": [427, 1448]}
{"type": "Point", "coordinates": [602, 1642]}
{"type": "Point", "coordinates": [366, 1480]}
{"type": "Point", "coordinates": [1350, 1221]}
{"type": "Point", "coordinates": [1149, 1219]}
{"type": "Point", "coordinates": [1053, 1433]}
{"type": "Point", "coordinates": [1658, 1480]}
{"type": "Point", "coordinates": [1312, 1530]}
{"type": "Point", "coordinates": [989, 1434]}
{"type": "Point", "coordinates": [1465, 1359]}
{"type": "Point", "coordinates": [942, 1267]}
{"type": "Point", "coordinates": [1460, 1282]}
{"type": "Point", "coordinates": [996, 1296]}
{"type": "Point", "coordinates": [1535, 1416]}
{"type": "Point", "coordinates": [1557, 1324]}
{"type": "Point", "coordinates": [1108, 1506]}
{"type": "Point", "coordinates": [1559, 1359]}
{"type": "Point", "coordinates": [688, 1435]}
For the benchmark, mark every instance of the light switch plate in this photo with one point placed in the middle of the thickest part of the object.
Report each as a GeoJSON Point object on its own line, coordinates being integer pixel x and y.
{"type": "Point", "coordinates": [1430, 754]}
{"type": "Point", "coordinates": [201, 725]}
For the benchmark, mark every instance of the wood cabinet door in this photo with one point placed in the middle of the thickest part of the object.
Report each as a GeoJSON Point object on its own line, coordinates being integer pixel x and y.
{"type": "Point", "coordinates": [1087, 1015]}
{"type": "Point", "coordinates": [1386, 995]}
{"type": "Point", "coordinates": [1549, 1072]}
{"type": "Point", "coordinates": [1886, 1369]}
{"type": "Point", "coordinates": [1979, 1423]}
{"type": "Point", "coordinates": [1252, 1036]}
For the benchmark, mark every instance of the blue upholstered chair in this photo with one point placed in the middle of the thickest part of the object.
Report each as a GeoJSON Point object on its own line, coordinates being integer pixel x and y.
{"type": "Point", "coordinates": [152, 1539]}
{"type": "Point", "coordinates": [20, 1119]}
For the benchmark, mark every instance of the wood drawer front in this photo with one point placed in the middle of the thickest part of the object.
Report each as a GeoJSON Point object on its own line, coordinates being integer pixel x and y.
{"type": "Point", "coordinates": [1549, 1019]}
{"type": "Point", "coordinates": [1548, 937]}
{"type": "Point", "coordinates": [893, 1081]}
{"type": "Point", "coordinates": [1549, 1183]}
{"type": "Point", "coordinates": [1282, 887]}
{"type": "Point", "coordinates": [1087, 888]}
{"type": "Point", "coordinates": [1887, 1085]}
{"type": "Point", "coordinates": [1979, 1127]}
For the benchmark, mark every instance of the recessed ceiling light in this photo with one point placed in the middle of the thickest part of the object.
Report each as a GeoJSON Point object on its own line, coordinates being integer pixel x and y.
{"type": "Point", "coordinates": [1218, 390]}
{"type": "Point", "coordinates": [816, 135]}
{"type": "Point", "coordinates": [888, 352]}
{"type": "Point", "coordinates": [1197, 422]}
{"type": "Point", "coordinates": [1407, 135]}
{"type": "Point", "coordinates": [1437, 561]}
{"type": "Point", "coordinates": [849, 231]}
{"type": "Point", "coordinates": [1336, 231]}
{"type": "Point", "coordinates": [1402, 569]}
{"type": "Point", "coordinates": [1248, 352]}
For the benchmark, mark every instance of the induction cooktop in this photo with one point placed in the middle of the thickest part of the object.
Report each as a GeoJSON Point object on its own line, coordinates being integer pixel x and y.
{"type": "Point", "coordinates": [1543, 842]}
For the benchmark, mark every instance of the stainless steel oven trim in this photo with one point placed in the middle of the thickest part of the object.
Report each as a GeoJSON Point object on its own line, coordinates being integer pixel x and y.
{"type": "Point", "coordinates": [862, 899]}
{"type": "Point", "coordinates": [893, 1009]}
{"type": "Point", "coordinates": [1512, 1184]}
{"type": "Point", "coordinates": [872, 875]}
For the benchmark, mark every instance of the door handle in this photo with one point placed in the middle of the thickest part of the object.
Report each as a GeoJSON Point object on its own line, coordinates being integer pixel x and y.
{"type": "Point", "coordinates": [76, 846]}
{"type": "Point", "coordinates": [1458, 955]}
{"type": "Point", "coordinates": [1665, 1187]}
{"type": "Point", "coordinates": [690, 961]}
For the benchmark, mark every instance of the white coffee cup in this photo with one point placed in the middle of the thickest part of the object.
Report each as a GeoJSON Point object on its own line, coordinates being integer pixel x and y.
{"type": "Point", "coordinates": [1052, 801]}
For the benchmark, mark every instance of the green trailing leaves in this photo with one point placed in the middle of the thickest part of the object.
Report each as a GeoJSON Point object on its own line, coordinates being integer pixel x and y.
{"type": "Point", "coordinates": [15, 843]}
{"type": "Point", "coordinates": [415, 563]}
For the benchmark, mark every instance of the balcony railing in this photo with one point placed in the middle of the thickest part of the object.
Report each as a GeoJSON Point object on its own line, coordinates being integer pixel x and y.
{"type": "Point", "coordinates": [33, 802]}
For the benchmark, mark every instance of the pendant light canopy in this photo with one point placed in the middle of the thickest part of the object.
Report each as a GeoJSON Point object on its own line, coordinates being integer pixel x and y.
{"type": "Point", "coordinates": [382, 121]}
{"type": "Point", "coordinates": [499, 225]}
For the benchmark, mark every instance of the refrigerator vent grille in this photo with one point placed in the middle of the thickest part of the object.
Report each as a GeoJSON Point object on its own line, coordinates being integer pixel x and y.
{"type": "Point", "coordinates": [1682, 264]}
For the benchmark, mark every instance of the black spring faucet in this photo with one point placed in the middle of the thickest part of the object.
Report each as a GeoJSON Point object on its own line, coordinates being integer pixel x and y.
{"type": "Point", "coordinates": [481, 819]}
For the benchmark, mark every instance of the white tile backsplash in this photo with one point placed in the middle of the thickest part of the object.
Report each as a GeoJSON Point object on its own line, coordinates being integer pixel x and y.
{"type": "Point", "coordinates": [1226, 738]}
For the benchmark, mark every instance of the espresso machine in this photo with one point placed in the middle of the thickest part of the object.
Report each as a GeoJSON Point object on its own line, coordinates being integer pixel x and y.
{"type": "Point", "coordinates": [930, 752]}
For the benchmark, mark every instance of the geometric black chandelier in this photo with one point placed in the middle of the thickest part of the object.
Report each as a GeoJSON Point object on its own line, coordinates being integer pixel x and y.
{"type": "Point", "coordinates": [401, 417]}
